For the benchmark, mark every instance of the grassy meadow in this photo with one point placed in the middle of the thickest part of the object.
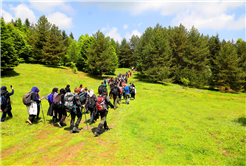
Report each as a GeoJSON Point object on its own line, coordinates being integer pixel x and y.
{"type": "Point", "coordinates": [165, 125]}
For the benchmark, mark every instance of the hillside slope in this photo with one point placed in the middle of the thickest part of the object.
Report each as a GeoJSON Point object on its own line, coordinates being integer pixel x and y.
{"type": "Point", "coordinates": [166, 124]}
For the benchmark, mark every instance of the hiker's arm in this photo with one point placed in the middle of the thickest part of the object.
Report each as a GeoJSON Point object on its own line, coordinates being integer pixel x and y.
{"type": "Point", "coordinates": [109, 103]}
{"type": "Point", "coordinates": [11, 92]}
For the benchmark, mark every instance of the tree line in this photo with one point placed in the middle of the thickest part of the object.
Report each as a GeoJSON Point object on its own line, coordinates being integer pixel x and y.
{"type": "Point", "coordinates": [172, 54]}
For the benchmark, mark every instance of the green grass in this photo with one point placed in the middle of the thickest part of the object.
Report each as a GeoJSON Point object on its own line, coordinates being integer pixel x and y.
{"type": "Point", "coordinates": [165, 125]}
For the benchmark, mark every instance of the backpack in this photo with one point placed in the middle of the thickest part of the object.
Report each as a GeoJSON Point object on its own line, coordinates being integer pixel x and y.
{"type": "Point", "coordinates": [91, 101]}
{"type": "Point", "coordinates": [100, 88]}
{"type": "Point", "coordinates": [26, 99]}
{"type": "Point", "coordinates": [57, 102]}
{"type": "Point", "coordinates": [115, 91]}
{"type": "Point", "coordinates": [68, 101]}
{"type": "Point", "coordinates": [50, 98]}
{"type": "Point", "coordinates": [82, 97]}
{"type": "Point", "coordinates": [3, 100]}
{"type": "Point", "coordinates": [101, 103]}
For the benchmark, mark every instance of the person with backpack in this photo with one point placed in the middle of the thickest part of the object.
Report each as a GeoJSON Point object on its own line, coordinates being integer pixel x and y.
{"type": "Point", "coordinates": [67, 89]}
{"type": "Point", "coordinates": [81, 88]}
{"type": "Point", "coordinates": [132, 91]}
{"type": "Point", "coordinates": [100, 88]}
{"type": "Point", "coordinates": [32, 109]}
{"type": "Point", "coordinates": [90, 105]}
{"type": "Point", "coordinates": [59, 108]}
{"type": "Point", "coordinates": [74, 109]}
{"type": "Point", "coordinates": [52, 112]}
{"type": "Point", "coordinates": [5, 102]}
{"type": "Point", "coordinates": [120, 94]}
{"type": "Point", "coordinates": [102, 104]}
{"type": "Point", "coordinates": [126, 90]}
{"type": "Point", "coordinates": [83, 96]}
{"type": "Point", "coordinates": [115, 91]}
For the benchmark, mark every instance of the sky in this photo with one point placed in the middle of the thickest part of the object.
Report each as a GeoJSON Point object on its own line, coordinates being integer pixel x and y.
{"type": "Point", "coordinates": [124, 18]}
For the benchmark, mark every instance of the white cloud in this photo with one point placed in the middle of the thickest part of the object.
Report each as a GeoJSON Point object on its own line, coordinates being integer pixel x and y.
{"type": "Point", "coordinates": [125, 26]}
{"type": "Point", "coordinates": [22, 11]}
{"type": "Point", "coordinates": [140, 24]}
{"type": "Point", "coordinates": [61, 20]}
{"type": "Point", "coordinates": [134, 32]}
{"type": "Point", "coordinates": [114, 34]}
{"type": "Point", "coordinates": [106, 29]}
{"type": "Point", "coordinates": [7, 16]}
{"type": "Point", "coordinates": [49, 6]}
{"type": "Point", "coordinates": [211, 14]}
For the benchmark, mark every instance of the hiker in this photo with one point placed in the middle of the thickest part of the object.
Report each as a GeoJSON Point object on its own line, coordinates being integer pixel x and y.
{"type": "Point", "coordinates": [51, 111]}
{"type": "Point", "coordinates": [126, 90]}
{"type": "Point", "coordinates": [100, 88]}
{"type": "Point", "coordinates": [90, 105]}
{"type": "Point", "coordinates": [81, 88]}
{"type": "Point", "coordinates": [120, 94]}
{"type": "Point", "coordinates": [67, 89]}
{"type": "Point", "coordinates": [32, 110]}
{"type": "Point", "coordinates": [76, 112]}
{"type": "Point", "coordinates": [132, 91]}
{"type": "Point", "coordinates": [5, 102]}
{"type": "Point", "coordinates": [58, 105]}
{"type": "Point", "coordinates": [115, 91]}
{"type": "Point", "coordinates": [83, 96]}
{"type": "Point", "coordinates": [102, 108]}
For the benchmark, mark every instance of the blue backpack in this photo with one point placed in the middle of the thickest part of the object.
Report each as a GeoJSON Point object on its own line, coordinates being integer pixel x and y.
{"type": "Point", "coordinates": [3, 100]}
{"type": "Point", "coordinates": [50, 98]}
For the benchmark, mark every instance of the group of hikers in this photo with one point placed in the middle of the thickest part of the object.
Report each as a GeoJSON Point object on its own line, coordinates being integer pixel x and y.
{"type": "Point", "coordinates": [63, 101]}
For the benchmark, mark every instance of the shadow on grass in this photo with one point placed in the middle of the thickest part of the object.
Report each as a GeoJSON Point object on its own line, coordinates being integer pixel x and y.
{"type": "Point", "coordinates": [241, 120]}
{"type": "Point", "coordinates": [97, 77]}
{"type": "Point", "coordinates": [9, 73]}
{"type": "Point", "coordinates": [146, 80]}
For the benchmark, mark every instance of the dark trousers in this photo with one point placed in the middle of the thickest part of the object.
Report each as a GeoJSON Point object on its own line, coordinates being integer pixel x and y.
{"type": "Point", "coordinates": [4, 115]}
{"type": "Point", "coordinates": [133, 95]}
{"type": "Point", "coordinates": [103, 122]}
{"type": "Point", "coordinates": [92, 114]}
{"type": "Point", "coordinates": [38, 111]}
{"type": "Point", "coordinates": [120, 97]}
{"type": "Point", "coordinates": [31, 117]}
{"type": "Point", "coordinates": [73, 115]}
{"type": "Point", "coordinates": [62, 115]}
{"type": "Point", "coordinates": [115, 100]}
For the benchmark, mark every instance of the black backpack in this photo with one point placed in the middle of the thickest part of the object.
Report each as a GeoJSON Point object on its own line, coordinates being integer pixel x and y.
{"type": "Point", "coordinates": [82, 97]}
{"type": "Point", "coordinates": [100, 88]}
{"type": "Point", "coordinates": [91, 101]}
{"type": "Point", "coordinates": [57, 101]}
{"type": "Point", "coordinates": [115, 91]}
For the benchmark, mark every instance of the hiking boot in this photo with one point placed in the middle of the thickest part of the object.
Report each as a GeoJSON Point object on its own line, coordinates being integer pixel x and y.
{"type": "Point", "coordinates": [75, 129]}
{"type": "Point", "coordinates": [29, 121]}
{"type": "Point", "coordinates": [71, 131]}
{"type": "Point", "coordinates": [60, 125]}
{"type": "Point", "coordinates": [38, 118]}
{"type": "Point", "coordinates": [96, 134]}
{"type": "Point", "coordinates": [107, 129]}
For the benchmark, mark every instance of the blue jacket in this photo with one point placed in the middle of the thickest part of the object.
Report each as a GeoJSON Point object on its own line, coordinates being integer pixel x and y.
{"type": "Point", "coordinates": [126, 90]}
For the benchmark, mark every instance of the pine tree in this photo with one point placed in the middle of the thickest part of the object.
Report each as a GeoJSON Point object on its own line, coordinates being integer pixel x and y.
{"type": "Point", "coordinates": [101, 55]}
{"type": "Point", "coordinates": [134, 41]}
{"type": "Point", "coordinates": [27, 23]}
{"type": "Point", "coordinates": [19, 39]}
{"type": "Point", "coordinates": [41, 31]}
{"type": "Point", "coordinates": [241, 51]}
{"type": "Point", "coordinates": [157, 56]}
{"type": "Point", "coordinates": [195, 59]}
{"type": "Point", "coordinates": [229, 75]}
{"type": "Point", "coordinates": [83, 45]}
{"type": "Point", "coordinates": [53, 48]}
{"type": "Point", "coordinates": [178, 43]}
{"type": "Point", "coordinates": [214, 47]}
{"type": "Point", "coordinates": [71, 36]}
{"type": "Point", "coordinates": [125, 54]}
{"type": "Point", "coordinates": [9, 58]}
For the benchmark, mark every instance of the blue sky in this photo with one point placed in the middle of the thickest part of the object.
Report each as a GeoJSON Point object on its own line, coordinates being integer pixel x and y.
{"type": "Point", "coordinates": [125, 18]}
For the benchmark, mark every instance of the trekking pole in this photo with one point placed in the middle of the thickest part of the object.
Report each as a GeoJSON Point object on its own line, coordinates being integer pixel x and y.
{"type": "Point", "coordinates": [42, 111]}
{"type": "Point", "coordinates": [86, 121]}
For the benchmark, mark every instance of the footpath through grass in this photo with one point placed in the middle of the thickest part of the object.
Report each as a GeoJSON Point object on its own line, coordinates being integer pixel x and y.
{"type": "Point", "coordinates": [165, 125]}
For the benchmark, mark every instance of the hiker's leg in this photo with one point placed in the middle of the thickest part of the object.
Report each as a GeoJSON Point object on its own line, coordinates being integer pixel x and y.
{"type": "Point", "coordinates": [37, 116]}
{"type": "Point", "coordinates": [10, 114]}
{"type": "Point", "coordinates": [72, 120]}
{"type": "Point", "coordinates": [3, 116]}
{"type": "Point", "coordinates": [79, 115]}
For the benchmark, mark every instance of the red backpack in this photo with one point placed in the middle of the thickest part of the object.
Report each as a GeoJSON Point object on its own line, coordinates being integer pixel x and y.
{"type": "Point", "coordinates": [101, 103]}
